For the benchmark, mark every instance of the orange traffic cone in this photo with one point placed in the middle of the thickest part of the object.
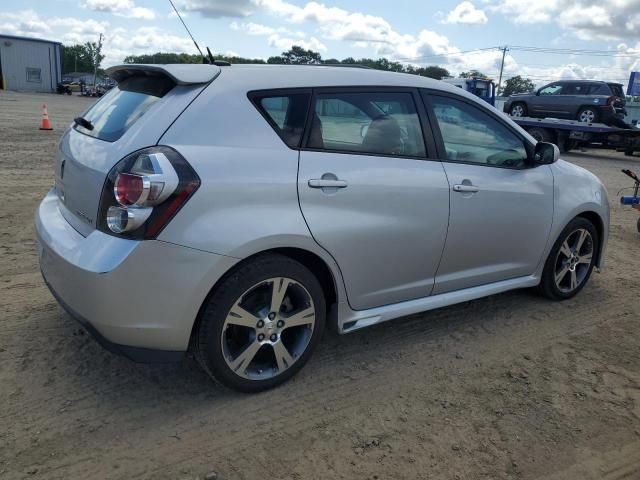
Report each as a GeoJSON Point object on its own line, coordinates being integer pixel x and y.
{"type": "Point", "coordinates": [46, 124]}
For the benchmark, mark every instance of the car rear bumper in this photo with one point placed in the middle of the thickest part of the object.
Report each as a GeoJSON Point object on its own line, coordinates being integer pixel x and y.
{"type": "Point", "coordinates": [139, 299]}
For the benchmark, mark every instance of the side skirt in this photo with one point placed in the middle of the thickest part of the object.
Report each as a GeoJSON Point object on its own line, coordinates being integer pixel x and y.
{"type": "Point", "coordinates": [350, 320]}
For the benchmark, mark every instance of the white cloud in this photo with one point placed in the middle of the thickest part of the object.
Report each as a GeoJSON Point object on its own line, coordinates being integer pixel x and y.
{"type": "Point", "coordinates": [526, 11]}
{"type": "Point", "coordinates": [121, 8]}
{"type": "Point", "coordinates": [285, 43]}
{"type": "Point", "coordinates": [26, 22]}
{"type": "Point", "coordinates": [220, 8]}
{"type": "Point", "coordinates": [466, 13]}
{"type": "Point", "coordinates": [587, 19]}
{"type": "Point", "coordinates": [251, 28]}
{"type": "Point", "coordinates": [280, 38]}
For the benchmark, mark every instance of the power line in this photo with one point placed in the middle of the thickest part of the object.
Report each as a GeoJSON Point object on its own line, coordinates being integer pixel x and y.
{"type": "Point", "coordinates": [449, 54]}
{"type": "Point", "coordinates": [572, 51]}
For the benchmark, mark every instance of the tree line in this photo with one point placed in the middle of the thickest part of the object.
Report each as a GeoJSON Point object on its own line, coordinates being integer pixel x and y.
{"type": "Point", "coordinates": [82, 58]}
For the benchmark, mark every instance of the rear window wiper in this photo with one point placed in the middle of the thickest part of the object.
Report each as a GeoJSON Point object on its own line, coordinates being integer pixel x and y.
{"type": "Point", "coordinates": [83, 122]}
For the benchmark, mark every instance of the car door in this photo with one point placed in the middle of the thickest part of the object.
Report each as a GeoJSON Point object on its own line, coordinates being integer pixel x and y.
{"type": "Point", "coordinates": [547, 100]}
{"type": "Point", "coordinates": [370, 195]}
{"type": "Point", "coordinates": [501, 207]}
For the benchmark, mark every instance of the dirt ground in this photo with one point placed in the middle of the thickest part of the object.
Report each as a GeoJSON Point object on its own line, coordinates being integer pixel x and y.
{"type": "Point", "coordinates": [507, 387]}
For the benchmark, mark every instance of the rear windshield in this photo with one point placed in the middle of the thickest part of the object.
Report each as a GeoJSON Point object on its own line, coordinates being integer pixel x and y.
{"type": "Point", "coordinates": [616, 89]}
{"type": "Point", "coordinates": [125, 103]}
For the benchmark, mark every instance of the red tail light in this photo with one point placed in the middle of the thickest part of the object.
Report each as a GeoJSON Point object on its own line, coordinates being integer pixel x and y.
{"type": "Point", "coordinates": [144, 191]}
{"type": "Point", "coordinates": [129, 188]}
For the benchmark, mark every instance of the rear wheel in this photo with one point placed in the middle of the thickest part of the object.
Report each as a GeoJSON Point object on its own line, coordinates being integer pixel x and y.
{"type": "Point", "coordinates": [518, 109]}
{"type": "Point", "coordinates": [541, 134]}
{"type": "Point", "coordinates": [261, 324]}
{"type": "Point", "coordinates": [570, 261]}
{"type": "Point", "coordinates": [587, 115]}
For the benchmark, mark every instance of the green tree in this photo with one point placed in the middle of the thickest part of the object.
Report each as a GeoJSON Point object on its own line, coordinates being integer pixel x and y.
{"type": "Point", "coordinates": [432, 71]}
{"type": "Point", "coordinates": [296, 55]}
{"type": "Point", "coordinates": [76, 58]}
{"type": "Point", "coordinates": [517, 84]}
{"type": "Point", "coordinates": [472, 74]}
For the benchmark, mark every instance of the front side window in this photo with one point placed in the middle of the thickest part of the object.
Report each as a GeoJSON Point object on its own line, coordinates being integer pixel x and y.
{"type": "Point", "coordinates": [34, 75]}
{"type": "Point", "coordinates": [285, 112]}
{"type": "Point", "coordinates": [553, 89]}
{"type": "Point", "coordinates": [372, 123]}
{"type": "Point", "coordinates": [473, 136]}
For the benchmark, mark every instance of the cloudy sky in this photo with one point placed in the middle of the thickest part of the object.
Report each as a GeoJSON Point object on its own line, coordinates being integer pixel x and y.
{"type": "Point", "coordinates": [599, 38]}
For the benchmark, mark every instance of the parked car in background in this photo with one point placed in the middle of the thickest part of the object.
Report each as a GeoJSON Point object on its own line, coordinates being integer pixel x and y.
{"type": "Point", "coordinates": [235, 211]}
{"type": "Point", "coordinates": [587, 101]}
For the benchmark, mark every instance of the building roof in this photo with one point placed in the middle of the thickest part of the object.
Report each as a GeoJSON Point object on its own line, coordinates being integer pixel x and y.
{"type": "Point", "coordinates": [30, 39]}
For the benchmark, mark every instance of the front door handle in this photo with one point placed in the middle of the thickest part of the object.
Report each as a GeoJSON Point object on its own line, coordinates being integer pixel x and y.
{"type": "Point", "coordinates": [465, 188]}
{"type": "Point", "coordinates": [327, 183]}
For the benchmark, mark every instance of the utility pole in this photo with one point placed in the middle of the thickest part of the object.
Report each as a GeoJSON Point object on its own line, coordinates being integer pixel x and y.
{"type": "Point", "coordinates": [95, 61]}
{"type": "Point", "coordinates": [504, 49]}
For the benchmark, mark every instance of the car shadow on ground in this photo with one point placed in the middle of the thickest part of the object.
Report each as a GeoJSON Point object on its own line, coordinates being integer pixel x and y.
{"type": "Point", "coordinates": [86, 367]}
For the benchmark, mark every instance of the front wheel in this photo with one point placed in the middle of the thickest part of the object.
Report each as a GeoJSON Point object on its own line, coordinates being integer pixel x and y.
{"type": "Point", "coordinates": [571, 260]}
{"type": "Point", "coordinates": [261, 324]}
{"type": "Point", "coordinates": [518, 109]}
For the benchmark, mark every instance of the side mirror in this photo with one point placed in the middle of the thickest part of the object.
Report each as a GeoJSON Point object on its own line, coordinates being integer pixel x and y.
{"type": "Point", "coordinates": [545, 153]}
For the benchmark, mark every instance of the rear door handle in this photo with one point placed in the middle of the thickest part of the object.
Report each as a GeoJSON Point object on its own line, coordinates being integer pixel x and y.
{"type": "Point", "coordinates": [465, 188]}
{"type": "Point", "coordinates": [327, 183]}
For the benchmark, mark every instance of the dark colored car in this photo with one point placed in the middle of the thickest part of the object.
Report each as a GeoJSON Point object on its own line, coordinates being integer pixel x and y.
{"type": "Point", "coordinates": [583, 100]}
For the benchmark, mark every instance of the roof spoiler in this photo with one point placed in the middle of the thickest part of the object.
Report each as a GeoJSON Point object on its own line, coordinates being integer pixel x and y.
{"type": "Point", "coordinates": [181, 74]}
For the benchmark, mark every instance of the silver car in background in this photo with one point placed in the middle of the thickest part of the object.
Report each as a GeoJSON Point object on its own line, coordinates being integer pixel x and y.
{"type": "Point", "coordinates": [235, 211]}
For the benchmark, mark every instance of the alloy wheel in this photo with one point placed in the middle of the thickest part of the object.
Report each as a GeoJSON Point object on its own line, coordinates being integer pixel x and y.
{"type": "Point", "coordinates": [268, 328]}
{"type": "Point", "coordinates": [587, 116]}
{"type": "Point", "coordinates": [574, 260]}
{"type": "Point", "coordinates": [517, 111]}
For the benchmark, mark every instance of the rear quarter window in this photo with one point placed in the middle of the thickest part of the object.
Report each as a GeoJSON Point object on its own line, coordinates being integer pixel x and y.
{"type": "Point", "coordinates": [123, 105]}
{"type": "Point", "coordinates": [286, 112]}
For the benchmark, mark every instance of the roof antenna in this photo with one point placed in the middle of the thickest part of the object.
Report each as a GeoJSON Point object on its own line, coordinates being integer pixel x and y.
{"type": "Point", "coordinates": [211, 59]}
{"type": "Point", "coordinates": [204, 60]}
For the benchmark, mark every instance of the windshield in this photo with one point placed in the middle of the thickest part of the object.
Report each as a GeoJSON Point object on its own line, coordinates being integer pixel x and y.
{"type": "Point", "coordinates": [123, 105]}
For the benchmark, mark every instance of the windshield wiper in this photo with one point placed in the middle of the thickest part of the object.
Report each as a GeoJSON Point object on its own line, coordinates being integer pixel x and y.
{"type": "Point", "coordinates": [83, 122]}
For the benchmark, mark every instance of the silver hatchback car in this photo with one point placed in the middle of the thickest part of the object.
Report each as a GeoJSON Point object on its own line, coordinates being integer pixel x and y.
{"type": "Point", "coordinates": [235, 211]}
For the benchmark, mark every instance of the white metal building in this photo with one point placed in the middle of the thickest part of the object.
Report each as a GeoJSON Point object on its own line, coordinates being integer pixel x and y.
{"type": "Point", "coordinates": [29, 64]}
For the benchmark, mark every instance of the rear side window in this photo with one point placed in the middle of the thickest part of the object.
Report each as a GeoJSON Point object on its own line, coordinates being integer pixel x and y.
{"type": "Point", "coordinates": [123, 105]}
{"type": "Point", "coordinates": [373, 123]}
{"type": "Point", "coordinates": [616, 89]}
{"type": "Point", "coordinates": [286, 113]}
{"type": "Point", "coordinates": [577, 89]}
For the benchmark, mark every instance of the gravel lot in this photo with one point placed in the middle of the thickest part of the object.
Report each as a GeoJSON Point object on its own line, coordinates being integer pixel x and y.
{"type": "Point", "coordinates": [507, 387]}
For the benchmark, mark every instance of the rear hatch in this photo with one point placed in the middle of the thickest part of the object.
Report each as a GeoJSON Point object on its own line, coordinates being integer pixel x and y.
{"type": "Point", "coordinates": [618, 91]}
{"type": "Point", "coordinates": [132, 115]}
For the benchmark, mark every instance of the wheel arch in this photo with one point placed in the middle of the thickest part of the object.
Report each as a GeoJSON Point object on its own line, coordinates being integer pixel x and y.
{"type": "Point", "coordinates": [597, 222]}
{"type": "Point", "coordinates": [316, 264]}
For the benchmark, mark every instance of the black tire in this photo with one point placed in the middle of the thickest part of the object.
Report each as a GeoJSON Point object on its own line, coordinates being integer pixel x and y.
{"type": "Point", "coordinates": [596, 114]}
{"type": "Point", "coordinates": [548, 286]}
{"type": "Point", "coordinates": [542, 134]}
{"type": "Point", "coordinates": [628, 152]}
{"type": "Point", "coordinates": [514, 109]}
{"type": "Point", "coordinates": [207, 342]}
{"type": "Point", "coordinates": [638, 225]}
